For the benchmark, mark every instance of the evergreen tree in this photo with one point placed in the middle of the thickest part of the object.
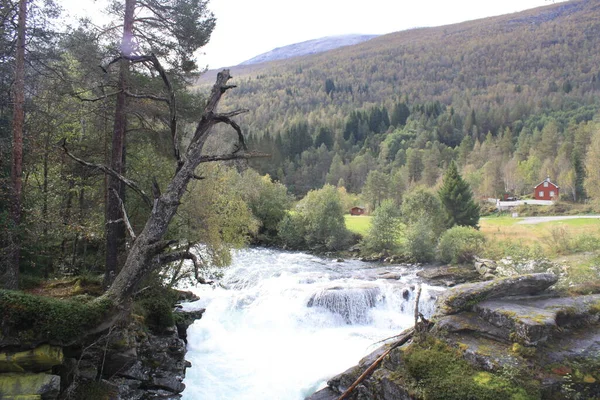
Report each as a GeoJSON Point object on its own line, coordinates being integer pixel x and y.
{"type": "Point", "coordinates": [457, 200]}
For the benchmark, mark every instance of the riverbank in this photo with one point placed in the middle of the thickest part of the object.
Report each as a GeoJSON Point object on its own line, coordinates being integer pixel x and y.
{"type": "Point", "coordinates": [132, 359]}
{"type": "Point", "coordinates": [511, 338]}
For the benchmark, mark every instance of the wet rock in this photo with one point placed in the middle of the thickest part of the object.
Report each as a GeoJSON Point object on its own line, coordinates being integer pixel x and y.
{"type": "Point", "coordinates": [184, 318]}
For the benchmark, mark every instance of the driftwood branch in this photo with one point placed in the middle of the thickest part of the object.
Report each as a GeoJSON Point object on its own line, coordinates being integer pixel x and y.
{"type": "Point", "coordinates": [108, 171]}
{"type": "Point", "coordinates": [124, 212]}
{"type": "Point", "coordinates": [402, 339]}
{"type": "Point", "coordinates": [417, 298]}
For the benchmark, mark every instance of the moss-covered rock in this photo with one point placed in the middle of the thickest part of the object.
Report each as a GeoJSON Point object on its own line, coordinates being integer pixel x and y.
{"type": "Point", "coordinates": [40, 359]}
{"type": "Point", "coordinates": [31, 319]}
{"type": "Point", "coordinates": [16, 385]}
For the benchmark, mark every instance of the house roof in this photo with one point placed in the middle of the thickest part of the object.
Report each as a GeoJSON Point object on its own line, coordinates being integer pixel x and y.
{"type": "Point", "coordinates": [549, 181]}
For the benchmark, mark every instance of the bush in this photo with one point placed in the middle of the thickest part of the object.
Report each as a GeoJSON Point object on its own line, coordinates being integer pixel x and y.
{"type": "Point", "coordinates": [290, 232]}
{"type": "Point", "coordinates": [385, 233]}
{"type": "Point", "coordinates": [318, 222]}
{"type": "Point", "coordinates": [460, 244]}
{"type": "Point", "coordinates": [421, 240]}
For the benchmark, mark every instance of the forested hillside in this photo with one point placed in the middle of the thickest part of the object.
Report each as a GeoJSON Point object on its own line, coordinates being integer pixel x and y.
{"type": "Point", "coordinates": [511, 98]}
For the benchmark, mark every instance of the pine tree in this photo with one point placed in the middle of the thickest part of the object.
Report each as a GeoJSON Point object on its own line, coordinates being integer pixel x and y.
{"type": "Point", "coordinates": [457, 199]}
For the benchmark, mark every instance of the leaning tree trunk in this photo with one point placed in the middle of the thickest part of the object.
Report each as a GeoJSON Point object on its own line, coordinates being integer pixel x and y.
{"type": "Point", "coordinates": [11, 276]}
{"type": "Point", "coordinates": [149, 243]}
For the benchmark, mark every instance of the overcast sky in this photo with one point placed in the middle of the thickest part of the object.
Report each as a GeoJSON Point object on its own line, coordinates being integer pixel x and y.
{"type": "Point", "coordinates": [247, 28]}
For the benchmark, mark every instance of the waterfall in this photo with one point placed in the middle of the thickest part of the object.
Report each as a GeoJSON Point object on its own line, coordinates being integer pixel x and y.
{"type": "Point", "coordinates": [279, 324]}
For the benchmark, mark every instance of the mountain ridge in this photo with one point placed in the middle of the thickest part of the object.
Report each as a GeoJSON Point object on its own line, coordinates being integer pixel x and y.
{"type": "Point", "coordinates": [307, 47]}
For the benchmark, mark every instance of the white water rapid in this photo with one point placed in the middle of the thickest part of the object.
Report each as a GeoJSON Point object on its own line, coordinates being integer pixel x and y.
{"type": "Point", "coordinates": [281, 323]}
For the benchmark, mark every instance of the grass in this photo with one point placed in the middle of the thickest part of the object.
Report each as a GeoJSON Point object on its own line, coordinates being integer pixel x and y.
{"type": "Point", "coordinates": [508, 228]}
{"type": "Point", "coordinates": [358, 223]}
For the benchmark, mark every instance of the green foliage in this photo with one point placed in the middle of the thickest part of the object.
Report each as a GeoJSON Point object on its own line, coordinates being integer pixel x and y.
{"type": "Point", "coordinates": [156, 305]}
{"type": "Point", "coordinates": [460, 244]}
{"type": "Point", "coordinates": [268, 200]}
{"type": "Point", "coordinates": [439, 372]}
{"type": "Point", "coordinates": [31, 318]}
{"type": "Point", "coordinates": [291, 231]}
{"type": "Point", "coordinates": [457, 200]}
{"type": "Point", "coordinates": [215, 215]}
{"type": "Point", "coordinates": [422, 204]}
{"type": "Point", "coordinates": [318, 222]}
{"type": "Point", "coordinates": [385, 233]}
{"type": "Point", "coordinates": [421, 240]}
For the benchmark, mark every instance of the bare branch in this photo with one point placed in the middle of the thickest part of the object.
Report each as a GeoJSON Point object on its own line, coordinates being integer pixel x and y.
{"type": "Point", "coordinates": [147, 96]}
{"type": "Point", "coordinates": [225, 119]}
{"type": "Point", "coordinates": [77, 96]}
{"type": "Point", "coordinates": [184, 255]}
{"type": "Point", "coordinates": [124, 212]}
{"type": "Point", "coordinates": [234, 156]}
{"type": "Point", "coordinates": [131, 184]}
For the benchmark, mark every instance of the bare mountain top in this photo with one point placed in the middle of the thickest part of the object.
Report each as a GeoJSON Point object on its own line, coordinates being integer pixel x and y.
{"type": "Point", "coordinates": [309, 47]}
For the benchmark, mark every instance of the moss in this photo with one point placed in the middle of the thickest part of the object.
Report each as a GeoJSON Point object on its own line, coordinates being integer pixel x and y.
{"type": "Point", "coordinates": [156, 307]}
{"type": "Point", "coordinates": [95, 391]}
{"type": "Point", "coordinates": [31, 318]}
{"type": "Point", "coordinates": [438, 371]}
{"type": "Point", "coordinates": [523, 351]}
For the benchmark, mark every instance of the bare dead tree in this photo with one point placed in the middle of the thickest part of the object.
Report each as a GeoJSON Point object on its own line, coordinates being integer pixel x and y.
{"type": "Point", "coordinates": [149, 249]}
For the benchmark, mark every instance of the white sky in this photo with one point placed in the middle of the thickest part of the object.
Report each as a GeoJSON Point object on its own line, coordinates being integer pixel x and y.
{"type": "Point", "coordinates": [247, 28]}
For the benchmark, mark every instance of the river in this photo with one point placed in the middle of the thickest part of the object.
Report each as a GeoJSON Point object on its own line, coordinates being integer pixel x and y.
{"type": "Point", "coordinates": [279, 324]}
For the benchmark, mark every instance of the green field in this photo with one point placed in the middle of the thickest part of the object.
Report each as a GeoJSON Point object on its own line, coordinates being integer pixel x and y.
{"type": "Point", "coordinates": [508, 228]}
{"type": "Point", "coordinates": [358, 223]}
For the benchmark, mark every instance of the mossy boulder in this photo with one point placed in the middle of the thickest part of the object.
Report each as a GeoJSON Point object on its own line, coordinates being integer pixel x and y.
{"type": "Point", "coordinates": [42, 358]}
{"type": "Point", "coordinates": [29, 320]}
{"type": "Point", "coordinates": [29, 386]}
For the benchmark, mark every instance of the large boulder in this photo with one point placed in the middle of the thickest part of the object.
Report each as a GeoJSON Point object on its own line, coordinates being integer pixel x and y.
{"type": "Point", "coordinates": [29, 386]}
{"type": "Point", "coordinates": [40, 359]}
{"type": "Point", "coordinates": [464, 297]}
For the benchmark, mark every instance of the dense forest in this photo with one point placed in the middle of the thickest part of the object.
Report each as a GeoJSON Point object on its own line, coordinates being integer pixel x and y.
{"type": "Point", "coordinates": [512, 99]}
{"type": "Point", "coordinates": [508, 100]}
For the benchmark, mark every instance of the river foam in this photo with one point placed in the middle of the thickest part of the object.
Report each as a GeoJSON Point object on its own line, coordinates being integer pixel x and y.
{"type": "Point", "coordinates": [279, 324]}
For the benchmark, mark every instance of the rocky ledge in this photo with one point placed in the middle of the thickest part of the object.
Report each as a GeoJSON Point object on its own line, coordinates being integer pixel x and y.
{"type": "Point", "coordinates": [506, 338]}
{"type": "Point", "coordinates": [127, 362]}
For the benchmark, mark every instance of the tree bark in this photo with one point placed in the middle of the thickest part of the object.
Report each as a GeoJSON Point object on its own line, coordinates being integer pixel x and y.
{"type": "Point", "coordinates": [115, 230]}
{"type": "Point", "coordinates": [11, 277]}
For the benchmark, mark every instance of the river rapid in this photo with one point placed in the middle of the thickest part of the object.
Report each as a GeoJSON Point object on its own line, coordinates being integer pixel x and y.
{"type": "Point", "coordinates": [279, 324]}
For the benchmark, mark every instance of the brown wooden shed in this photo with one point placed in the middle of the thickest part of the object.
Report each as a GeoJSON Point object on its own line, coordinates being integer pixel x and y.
{"type": "Point", "coordinates": [357, 211]}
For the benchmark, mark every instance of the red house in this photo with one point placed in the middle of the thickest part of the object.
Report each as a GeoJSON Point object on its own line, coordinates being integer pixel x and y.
{"type": "Point", "coordinates": [546, 190]}
{"type": "Point", "coordinates": [357, 211]}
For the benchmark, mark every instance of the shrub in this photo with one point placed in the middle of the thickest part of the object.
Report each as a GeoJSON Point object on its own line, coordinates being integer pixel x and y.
{"type": "Point", "coordinates": [385, 233]}
{"type": "Point", "coordinates": [421, 240]}
{"type": "Point", "coordinates": [318, 222]}
{"type": "Point", "coordinates": [460, 244]}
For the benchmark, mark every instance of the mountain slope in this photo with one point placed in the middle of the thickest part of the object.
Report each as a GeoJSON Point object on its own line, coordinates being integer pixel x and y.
{"type": "Point", "coordinates": [518, 73]}
{"type": "Point", "coordinates": [516, 58]}
{"type": "Point", "coordinates": [309, 47]}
